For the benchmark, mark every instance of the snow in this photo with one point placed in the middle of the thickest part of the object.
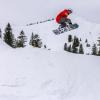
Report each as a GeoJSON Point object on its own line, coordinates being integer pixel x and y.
{"type": "Point", "coordinates": [35, 74]}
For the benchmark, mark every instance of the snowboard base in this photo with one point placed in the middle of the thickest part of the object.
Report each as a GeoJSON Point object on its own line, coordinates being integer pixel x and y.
{"type": "Point", "coordinates": [65, 29]}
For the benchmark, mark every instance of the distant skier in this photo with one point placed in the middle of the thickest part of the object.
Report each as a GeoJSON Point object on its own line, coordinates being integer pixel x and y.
{"type": "Point", "coordinates": [62, 18]}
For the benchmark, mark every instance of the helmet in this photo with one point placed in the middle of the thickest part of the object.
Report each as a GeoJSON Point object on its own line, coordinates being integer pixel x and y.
{"type": "Point", "coordinates": [70, 11]}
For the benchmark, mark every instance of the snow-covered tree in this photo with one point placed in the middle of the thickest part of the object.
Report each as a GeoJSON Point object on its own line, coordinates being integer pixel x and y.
{"type": "Point", "coordinates": [94, 50]}
{"type": "Point", "coordinates": [45, 46]}
{"type": "Point", "coordinates": [88, 45]}
{"type": "Point", "coordinates": [0, 33]}
{"type": "Point", "coordinates": [70, 38]}
{"type": "Point", "coordinates": [21, 39]}
{"type": "Point", "coordinates": [9, 36]}
{"type": "Point", "coordinates": [86, 41]}
{"type": "Point", "coordinates": [31, 40]}
{"type": "Point", "coordinates": [65, 46]}
{"type": "Point", "coordinates": [74, 49]}
{"type": "Point", "coordinates": [69, 49]}
{"type": "Point", "coordinates": [98, 41]}
{"type": "Point", "coordinates": [35, 41]}
{"type": "Point", "coordinates": [75, 45]}
{"type": "Point", "coordinates": [98, 52]}
{"type": "Point", "coordinates": [76, 42]}
{"type": "Point", "coordinates": [81, 51]}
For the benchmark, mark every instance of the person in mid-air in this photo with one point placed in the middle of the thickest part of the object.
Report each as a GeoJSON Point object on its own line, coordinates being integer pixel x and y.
{"type": "Point", "coordinates": [62, 17]}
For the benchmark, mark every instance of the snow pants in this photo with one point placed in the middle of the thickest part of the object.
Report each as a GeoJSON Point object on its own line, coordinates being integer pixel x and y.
{"type": "Point", "coordinates": [64, 20]}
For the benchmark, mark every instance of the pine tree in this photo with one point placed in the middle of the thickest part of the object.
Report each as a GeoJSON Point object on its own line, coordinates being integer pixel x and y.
{"type": "Point", "coordinates": [15, 43]}
{"type": "Point", "coordinates": [69, 49]}
{"type": "Point", "coordinates": [86, 41]}
{"type": "Point", "coordinates": [45, 46]}
{"type": "Point", "coordinates": [98, 41]}
{"type": "Point", "coordinates": [35, 41]}
{"type": "Point", "coordinates": [74, 49]}
{"type": "Point", "coordinates": [9, 36]}
{"type": "Point", "coordinates": [88, 45]}
{"type": "Point", "coordinates": [70, 38]}
{"type": "Point", "coordinates": [81, 51]}
{"type": "Point", "coordinates": [65, 46]}
{"type": "Point", "coordinates": [39, 43]}
{"type": "Point", "coordinates": [98, 52]}
{"type": "Point", "coordinates": [76, 42]}
{"type": "Point", "coordinates": [21, 39]}
{"type": "Point", "coordinates": [31, 40]}
{"type": "Point", "coordinates": [0, 33]}
{"type": "Point", "coordinates": [94, 50]}
{"type": "Point", "coordinates": [75, 45]}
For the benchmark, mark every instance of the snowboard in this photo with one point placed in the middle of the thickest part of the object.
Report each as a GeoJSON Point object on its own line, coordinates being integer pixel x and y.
{"type": "Point", "coordinates": [61, 30]}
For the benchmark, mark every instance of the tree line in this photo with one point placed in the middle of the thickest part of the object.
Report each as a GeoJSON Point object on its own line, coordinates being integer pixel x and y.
{"type": "Point", "coordinates": [20, 41]}
{"type": "Point", "coordinates": [74, 45]}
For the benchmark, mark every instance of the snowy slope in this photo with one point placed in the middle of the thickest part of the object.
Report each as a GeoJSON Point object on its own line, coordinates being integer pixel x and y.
{"type": "Point", "coordinates": [86, 30]}
{"type": "Point", "coordinates": [35, 74]}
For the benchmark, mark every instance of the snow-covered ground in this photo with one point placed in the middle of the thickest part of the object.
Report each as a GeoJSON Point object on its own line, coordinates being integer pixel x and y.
{"type": "Point", "coordinates": [35, 74]}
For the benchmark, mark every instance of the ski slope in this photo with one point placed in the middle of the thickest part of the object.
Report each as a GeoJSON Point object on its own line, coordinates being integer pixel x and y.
{"type": "Point", "coordinates": [35, 74]}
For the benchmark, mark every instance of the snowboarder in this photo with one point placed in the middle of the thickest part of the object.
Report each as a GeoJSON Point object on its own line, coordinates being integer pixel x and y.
{"type": "Point", "coordinates": [65, 22]}
{"type": "Point", "coordinates": [62, 18]}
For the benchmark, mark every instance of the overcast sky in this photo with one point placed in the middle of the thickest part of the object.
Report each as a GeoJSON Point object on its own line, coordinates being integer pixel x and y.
{"type": "Point", "coordinates": [32, 10]}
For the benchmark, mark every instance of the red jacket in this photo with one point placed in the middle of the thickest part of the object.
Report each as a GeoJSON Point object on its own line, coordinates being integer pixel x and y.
{"type": "Point", "coordinates": [64, 13]}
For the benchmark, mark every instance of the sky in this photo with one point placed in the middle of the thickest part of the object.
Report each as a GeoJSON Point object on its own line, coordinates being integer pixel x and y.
{"type": "Point", "coordinates": [26, 11]}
